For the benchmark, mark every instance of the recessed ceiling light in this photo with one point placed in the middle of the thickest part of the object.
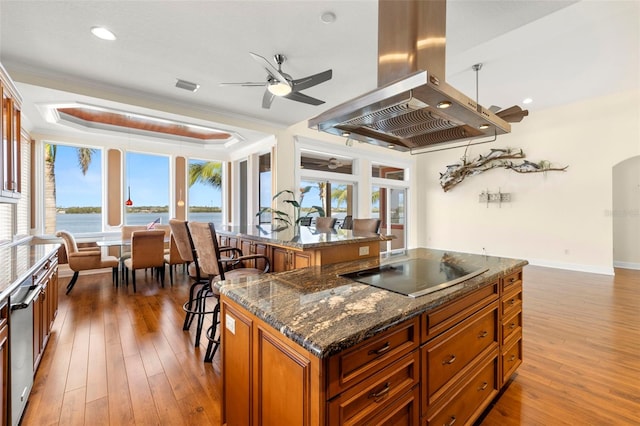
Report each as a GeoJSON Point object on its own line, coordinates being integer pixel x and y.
{"type": "Point", "coordinates": [103, 33]}
{"type": "Point", "coordinates": [483, 126]}
{"type": "Point", "coordinates": [527, 101]}
{"type": "Point", "coordinates": [443, 104]}
{"type": "Point", "coordinates": [328, 17]}
{"type": "Point", "coordinates": [346, 134]}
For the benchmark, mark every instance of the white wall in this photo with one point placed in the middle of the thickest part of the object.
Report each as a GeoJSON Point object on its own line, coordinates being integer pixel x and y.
{"type": "Point", "coordinates": [557, 219]}
{"type": "Point", "coordinates": [626, 213]}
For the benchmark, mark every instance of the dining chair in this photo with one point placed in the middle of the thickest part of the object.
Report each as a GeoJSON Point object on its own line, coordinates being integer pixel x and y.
{"type": "Point", "coordinates": [173, 258]}
{"type": "Point", "coordinates": [86, 259]}
{"type": "Point", "coordinates": [347, 222]}
{"type": "Point", "coordinates": [213, 266]}
{"type": "Point", "coordinates": [325, 222]}
{"type": "Point", "coordinates": [147, 251]}
{"type": "Point", "coordinates": [304, 221]}
{"type": "Point", "coordinates": [366, 225]}
{"type": "Point", "coordinates": [125, 236]}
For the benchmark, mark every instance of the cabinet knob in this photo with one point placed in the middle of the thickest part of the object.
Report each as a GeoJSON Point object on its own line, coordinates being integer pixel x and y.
{"type": "Point", "coordinates": [451, 360]}
{"type": "Point", "coordinates": [512, 325]}
{"type": "Point", "coordinates": [512, 358]}
{"type": "Point", "coordinates": [483, 334]}
{"type": "Point", "coordinates": [451, 422]}
{"type": "Point", "coordinates": [483, 386]}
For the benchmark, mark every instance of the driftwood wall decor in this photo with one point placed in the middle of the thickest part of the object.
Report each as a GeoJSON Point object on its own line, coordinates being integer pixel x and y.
{"type": "Point", "coordinates": [500, 157]}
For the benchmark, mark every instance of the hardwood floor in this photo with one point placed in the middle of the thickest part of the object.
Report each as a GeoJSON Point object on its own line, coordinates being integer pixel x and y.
{"type": "Point", "coordinates": [115, 357]}
{"type": "Point", "coordinates": [121, 358]}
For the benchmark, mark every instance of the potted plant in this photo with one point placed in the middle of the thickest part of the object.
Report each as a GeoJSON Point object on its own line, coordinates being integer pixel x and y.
{"type": "Point", "coordinates": [282, 219]}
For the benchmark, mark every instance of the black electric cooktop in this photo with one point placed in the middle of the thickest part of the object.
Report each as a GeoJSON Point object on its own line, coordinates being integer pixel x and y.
{"type": "Point", "coordinates": [417, 277]}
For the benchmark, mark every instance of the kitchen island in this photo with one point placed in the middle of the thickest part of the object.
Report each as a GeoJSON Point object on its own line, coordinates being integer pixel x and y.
{"type": "Point", "coordinates": [301, 246]}
{"type": "Point", "coordinates": [311, 347]}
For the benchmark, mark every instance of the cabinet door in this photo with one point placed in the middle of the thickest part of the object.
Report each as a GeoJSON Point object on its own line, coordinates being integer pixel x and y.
{"type": "Point", "coordinates": [279, 259]}
{"type": "Point", "coordinates": [301, 260]}
{"type": "Point", "coordinates": [5, 127]}
{"type": "Point", "coordinates": [4, 364]}
{"type": "Point", "coordinates": [236, 359]}
{"type": "Point", "coordinates": [278, 404]}
{"type": "Point", "coordinates": [53, 298]}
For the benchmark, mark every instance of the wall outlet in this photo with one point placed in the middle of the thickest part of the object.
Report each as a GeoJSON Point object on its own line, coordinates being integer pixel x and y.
{"type": "Point", "coordinates": [230, 323]}
{"type": "Point", "coordinates": [364, 250]}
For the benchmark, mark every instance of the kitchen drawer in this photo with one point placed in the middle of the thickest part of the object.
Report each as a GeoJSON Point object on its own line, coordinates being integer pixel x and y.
{"type": "Point", "coordinates": [511, 326]}
{"type": "Point", "coordinates": [447, 356]}
{"type": "Point", "coordinates": [403, 411]}
{"type": "Point", "coordinates": [359, 404]}
{"type": "Point", "coordinates": [443, 318]}
{"type": "Point", "coordinates": [466, 405]}
{"type": "Point", "coordinates": [511, 358]}
{"type": "Point", "coordinates": [512, 279]}
{"type": "Point", "coordinates": [512, 301]}
{"type": "Point", "coordinates": [356, 364]}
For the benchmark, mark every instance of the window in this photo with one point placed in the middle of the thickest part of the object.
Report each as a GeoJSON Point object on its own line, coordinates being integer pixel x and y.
{"type": "Point", "coordinates": [205, 191]}
{"type": "Point", "coordinates": [335, 198]}
{"type": "Point", "coordinates": [388, 205]}
{"type": "Point", "coordinates": [386, 172]}
{"type": "Point", "coordinates": [323, 162]}
{"type": "Point", "coordinates": [264, 186]}
{"type": "Point", "coordinates": [147, 179]}
{"type": "Point", "coordinates": [73, 188]}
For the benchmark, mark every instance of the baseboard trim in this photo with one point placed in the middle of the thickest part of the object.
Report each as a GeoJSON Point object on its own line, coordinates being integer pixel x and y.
{"type": "Point", "coordinates": [626, 265]}
{"type": "Point", "coordinates": [602, 270]}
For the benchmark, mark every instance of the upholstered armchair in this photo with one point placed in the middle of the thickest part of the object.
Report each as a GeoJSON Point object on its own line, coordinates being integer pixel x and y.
{"type": "Point", "coordinates": [325, 222]}
{"type": "Point", "coordinates": [86, 259]}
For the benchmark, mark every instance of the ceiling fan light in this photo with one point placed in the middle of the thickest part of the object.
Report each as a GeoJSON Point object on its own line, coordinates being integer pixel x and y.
{"type": "Point", "coordinates": [279, 89]}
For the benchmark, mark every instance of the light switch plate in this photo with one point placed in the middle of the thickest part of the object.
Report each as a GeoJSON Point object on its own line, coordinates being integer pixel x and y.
{"type": "Point", "coordinates": [230, 323]}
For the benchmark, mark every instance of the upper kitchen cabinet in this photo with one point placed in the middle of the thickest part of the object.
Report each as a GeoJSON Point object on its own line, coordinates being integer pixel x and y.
{"type": "Point", "coordinates": [10, 130]}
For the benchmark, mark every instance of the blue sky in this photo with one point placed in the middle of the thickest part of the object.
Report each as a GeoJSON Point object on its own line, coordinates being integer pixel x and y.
{"type": "Point", "coordinates": [148, 176]}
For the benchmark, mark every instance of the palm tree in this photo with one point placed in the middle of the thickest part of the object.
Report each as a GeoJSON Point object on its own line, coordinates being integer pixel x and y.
{"type": "Point", "coordinates": [84, 156]}
{"type": "Point", "coordinates": [339, 193]}
{"type": "Point", "coordinates": [208, 173]}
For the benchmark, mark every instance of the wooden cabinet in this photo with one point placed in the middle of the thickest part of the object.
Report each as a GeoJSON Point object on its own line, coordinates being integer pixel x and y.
{"type": "Point", "coordinates": [249, 247]}
{"type": "Point", "coordinates": [511, 325]}
{"type": "Point", "coordinates": [444, 366]}
{"type": "Point", "coordinates": [268, 380]}
{"type": "Point", "coordinates": [10, 125]}
{"type": "Point", "coordinates": [283, 259]}
{"type": "Point", "coordinates": [4, 362]}
{"type": "Point", "coordinates": [45, 306]}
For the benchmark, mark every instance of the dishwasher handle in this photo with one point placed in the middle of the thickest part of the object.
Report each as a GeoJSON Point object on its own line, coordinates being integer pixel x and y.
{"type": "Point", "coordinates": [34, 291]}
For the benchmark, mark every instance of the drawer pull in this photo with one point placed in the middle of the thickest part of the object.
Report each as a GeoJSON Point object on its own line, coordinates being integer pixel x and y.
{"type": "Point", "coordinates": [381, 350]}
{"type": "Point", "coordinates": [483, 386]}
{"type": "Point", "coordinates": [512, 280]}
{"type": "Point", "coordinates": [449, 361]}
{"type": "Point", "coordinates": [512, 302]}
{"type": "Point", "coordinates": [376, 396]}
{"type": "Point", "coordinates": [453, 420]}
{"type": "Point", "coordinates": [483, 334]}
{"type": "Point", "coordinates": [512, 325]}
{"type": "Point", "coordinates": [511, 358]}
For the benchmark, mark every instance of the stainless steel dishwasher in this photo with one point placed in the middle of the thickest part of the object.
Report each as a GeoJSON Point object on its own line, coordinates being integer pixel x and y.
{"type": "Point", "coordinates": [21, 341]}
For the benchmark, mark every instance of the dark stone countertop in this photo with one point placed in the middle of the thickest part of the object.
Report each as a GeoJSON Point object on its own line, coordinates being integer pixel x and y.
{"type": "Point", "coordinates": [19, 261]}
{"type": "Point", "coordinates": [302, 237]}
{"type": "Point", "coordinates": [326, 314]}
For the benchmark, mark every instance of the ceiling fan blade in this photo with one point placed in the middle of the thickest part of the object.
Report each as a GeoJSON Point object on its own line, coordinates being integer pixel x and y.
{"type": "Point", "coordinates": [513, 114]}
{"type": "Point", "coordinates": [312, 80]}
{"type": "Point", "coordinates": [267, 99]}
{"type": "Point", "coordinates": [494, 108]}
{"type": "Point", "coordinates": [297, 96]}
{"type": "Point", "coordinates": [246, 84]}
{"type": "Point", "coordinates": [273, 71]}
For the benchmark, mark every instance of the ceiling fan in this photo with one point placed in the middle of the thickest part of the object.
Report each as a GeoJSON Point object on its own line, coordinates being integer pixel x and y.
{"type": "Point", "coordinates": [281, 84]}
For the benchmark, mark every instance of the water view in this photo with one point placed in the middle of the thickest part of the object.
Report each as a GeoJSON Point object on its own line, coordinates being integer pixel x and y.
{"type": "Point", "coordinates": [92, 222]}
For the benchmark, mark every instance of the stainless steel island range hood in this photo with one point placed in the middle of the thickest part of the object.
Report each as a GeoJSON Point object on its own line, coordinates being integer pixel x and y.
{"type": "Point", "coordinates": [413, 107]}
